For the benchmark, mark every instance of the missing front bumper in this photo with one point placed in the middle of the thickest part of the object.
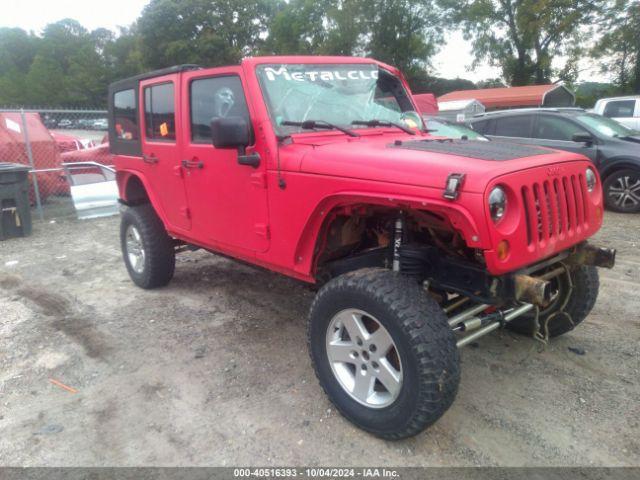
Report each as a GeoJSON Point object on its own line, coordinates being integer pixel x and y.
{"type": "Point", "coordinates": [529, 285]}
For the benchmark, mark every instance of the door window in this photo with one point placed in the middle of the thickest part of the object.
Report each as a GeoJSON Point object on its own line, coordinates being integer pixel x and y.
{"type": "Point", "coordinates": [513, 126]}
{"type": "Point", "coordinates": [619, 109]}
{"type": "Point", "coordinates": [214, 98]}
{"type": "Point", "coordinates": [555, 128]}
{"type": "Point", "coordinates": [159, 112]}
{"type": "Point", "coordinates": [481, 126]}
{"type": "Point", "coordinates": [125, 115]}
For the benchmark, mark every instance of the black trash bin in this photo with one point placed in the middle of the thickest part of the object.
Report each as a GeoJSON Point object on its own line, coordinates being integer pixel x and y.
{"type": "Point", "coordinates": [15, 211]}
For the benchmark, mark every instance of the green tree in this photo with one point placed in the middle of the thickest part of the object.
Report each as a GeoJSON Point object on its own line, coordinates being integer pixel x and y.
{"type": "Point", "coordinates": [522, 37]}
{"type": "Point", "coordinates": [45, 83]}
{"type": "Point", "coordinates": [404, 33]}
{"type": "Point", "coordinates": [298, 27]}
{"type": "Point", "coordinates": [206, 32]}
{"type": "Point", "coordinates": [68, 69]}
{"type": "Point", "coordinates": [17, 51]}
{"type": "Point", "coordinates": [122, 54]}
{"type": "Point", "coordinates": [618, 49]}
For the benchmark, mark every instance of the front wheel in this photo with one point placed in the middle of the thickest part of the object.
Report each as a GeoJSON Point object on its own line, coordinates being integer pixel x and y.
{"type": "Point", "coordinates": [383, 352]}
{"type": "Point", "coordinates": [622, 191]}
{"type": "Point", "coordinates": [147, 248]}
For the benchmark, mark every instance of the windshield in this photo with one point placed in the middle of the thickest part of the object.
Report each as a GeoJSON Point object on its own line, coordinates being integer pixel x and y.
{"type": "Point", "coordinates": [606, 126]}
{"type": "Point", "coordinates": [338, 94]}
{"type": "Point", "coordinates": [441, 128]}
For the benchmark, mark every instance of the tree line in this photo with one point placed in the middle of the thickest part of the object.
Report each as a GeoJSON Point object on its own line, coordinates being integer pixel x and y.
{"type": "Point", "coordinates": [67, 65]}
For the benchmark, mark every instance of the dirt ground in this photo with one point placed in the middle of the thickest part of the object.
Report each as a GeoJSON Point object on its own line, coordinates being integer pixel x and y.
{"type": "Point", "coordinates": [213, 369]}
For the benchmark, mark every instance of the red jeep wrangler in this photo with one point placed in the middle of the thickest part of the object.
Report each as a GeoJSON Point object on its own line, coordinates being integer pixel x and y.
{"type": "Point", "coordinates": [320, 168]}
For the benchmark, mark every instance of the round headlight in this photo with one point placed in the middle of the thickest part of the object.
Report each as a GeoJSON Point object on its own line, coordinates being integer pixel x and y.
{"type": "Point", "coordinates": [590, 177]}
{"type": "Point", "coordinates": [497, 203]}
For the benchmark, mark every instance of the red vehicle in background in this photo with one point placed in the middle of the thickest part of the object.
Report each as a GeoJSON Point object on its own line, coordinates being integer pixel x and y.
{"type": "Point", "coordinates": [45, 151]}
{"type": "Point", "coordinates": [99, 154]}
{"type": "Point", "coordinates": [319, 168]}
{"type": "Point", "coordinates": [70, 143]}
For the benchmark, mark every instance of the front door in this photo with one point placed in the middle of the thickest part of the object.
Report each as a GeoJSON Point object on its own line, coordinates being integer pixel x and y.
{"type": "Point", "coordinates": [160, 149]}
{"type": "Point", "coordinates": [228, 201]}
{"type": "Point", "coordinates": [554, 131]}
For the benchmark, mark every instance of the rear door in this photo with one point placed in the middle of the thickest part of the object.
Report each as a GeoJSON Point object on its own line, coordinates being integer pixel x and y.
{"type": "Point", "coordinates": [513, 128]}
{"type": "Point", "coordinates": [228, 201]}
{"type": "Point", "coordinates": [160, 147]}
{"type": "Point", "coordinates": [555, 131]}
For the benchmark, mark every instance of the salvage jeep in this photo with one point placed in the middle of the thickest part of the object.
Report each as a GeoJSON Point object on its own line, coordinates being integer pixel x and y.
{"type": "Point", "coordinates": [320, 168]}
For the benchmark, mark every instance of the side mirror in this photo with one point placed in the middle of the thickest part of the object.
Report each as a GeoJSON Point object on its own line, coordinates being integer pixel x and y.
{"type": "Point", "coordinates": [230, 132]}
{"type": "Point", "coordinates": [582, 137]}
{"type": "Point", "coordinates": [234, 132]}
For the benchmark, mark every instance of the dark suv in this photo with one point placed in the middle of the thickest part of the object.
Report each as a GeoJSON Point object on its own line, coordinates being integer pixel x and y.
{"type": "Point", "coordinates": [614, 148]}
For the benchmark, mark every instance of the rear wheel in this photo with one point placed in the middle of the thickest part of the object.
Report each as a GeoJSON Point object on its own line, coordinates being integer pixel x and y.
{"type": "Point", "coordinates": [622, 191]}
{"type": "Point", "coordinates": [383, 352]}
{"type": "Point", "coordinates": [574, 295]}
{"type": "Point", "coordinates": [147, 249]}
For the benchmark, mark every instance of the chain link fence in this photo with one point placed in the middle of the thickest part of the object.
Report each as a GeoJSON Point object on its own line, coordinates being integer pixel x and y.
{"type": "Point", "coordinates": [49, 141]}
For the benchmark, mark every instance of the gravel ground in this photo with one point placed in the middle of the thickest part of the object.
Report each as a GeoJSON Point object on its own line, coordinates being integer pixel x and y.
{"type": "Point", "coordinates": [213, 370]}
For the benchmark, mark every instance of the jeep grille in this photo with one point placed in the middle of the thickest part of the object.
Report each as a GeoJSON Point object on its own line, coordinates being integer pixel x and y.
{"type": "Point", "coordinates": [554, 207]}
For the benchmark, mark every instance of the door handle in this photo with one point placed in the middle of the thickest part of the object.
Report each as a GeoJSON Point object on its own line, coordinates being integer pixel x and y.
{"type": "Point", "coordinates": [149, 159]}
{"type": "Point", "coordinates": [195, 163]}
{"type": "Point", "coordinates": [251, 160]}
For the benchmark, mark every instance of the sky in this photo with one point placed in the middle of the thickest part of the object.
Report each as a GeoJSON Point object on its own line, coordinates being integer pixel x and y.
{"type": "Point", "coordinates": [453, 60]}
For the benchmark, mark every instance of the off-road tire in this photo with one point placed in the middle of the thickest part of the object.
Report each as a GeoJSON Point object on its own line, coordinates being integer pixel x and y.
{"type": "Point", "coordinates": [159, 262]}
{"type": "Point", "coordinates": [586, 284]}
{"type": "Point", "coordinates": [423, 339]}
{"type": "Point", "coordinates": [611, 181]}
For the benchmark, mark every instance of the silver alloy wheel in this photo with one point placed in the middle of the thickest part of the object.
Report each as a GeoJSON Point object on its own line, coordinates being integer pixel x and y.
{"type": "Point", "coordinates": [135, 249]}
{"type": "Point", "coordinates": [364, 358]}
{"type": "Point", "coordinates": [625, 191]}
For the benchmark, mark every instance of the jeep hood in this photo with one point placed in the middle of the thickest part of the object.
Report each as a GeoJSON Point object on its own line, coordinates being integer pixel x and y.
{"type": "Point", "coordinates": [421, 161]}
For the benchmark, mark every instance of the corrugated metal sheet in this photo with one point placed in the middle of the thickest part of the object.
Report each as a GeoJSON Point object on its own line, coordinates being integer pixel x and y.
{"type": "Point", "coordinates": [529, 96]}
{"type": "Point", "coordinates": [426, 103]}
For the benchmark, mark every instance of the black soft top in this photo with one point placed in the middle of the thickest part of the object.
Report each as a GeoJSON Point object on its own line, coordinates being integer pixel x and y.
{"type": "Point", "coordinates": [133, 81]}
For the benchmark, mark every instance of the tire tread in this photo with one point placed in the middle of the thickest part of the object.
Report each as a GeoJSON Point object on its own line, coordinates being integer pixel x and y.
{"type": "Point", "coordinates": [431, 340]}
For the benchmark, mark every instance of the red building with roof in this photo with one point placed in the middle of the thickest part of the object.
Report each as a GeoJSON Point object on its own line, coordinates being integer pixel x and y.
{"type": "Point", "coordinates": [552, 95]}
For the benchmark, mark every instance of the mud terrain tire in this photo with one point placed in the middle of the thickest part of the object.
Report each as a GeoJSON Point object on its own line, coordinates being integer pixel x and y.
{"type": "Point", "coordinates": [421, 338]}
{"type": "Point", "coordinates": [141, 230]}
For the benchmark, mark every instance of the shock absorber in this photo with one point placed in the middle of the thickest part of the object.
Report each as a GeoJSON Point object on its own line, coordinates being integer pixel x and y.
{"type": "Point", "coordinates": [397, 242]}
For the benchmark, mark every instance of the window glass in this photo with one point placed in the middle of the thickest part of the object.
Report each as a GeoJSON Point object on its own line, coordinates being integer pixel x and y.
{"type": "Point", "coordinates": [335, 93]}
{"type": "Point", "coordinates": [605, 126]}
{"type": "Point", "coordinates": [513, 126]}
{"type": "Point", "coordinates": [159, 112]}
{"type": "Point", "coordinates": [125, 115]}
{"type": "Point", "coordinates": [481, 126]}
{"type": "Point", "coordinates": [441, 128]}
{"type": "Point", "coordinates": [213, 98]}
{"type": "Point", "coordinates": [555, 128]}
{"type": "Point", "coordinates": [619, 109]}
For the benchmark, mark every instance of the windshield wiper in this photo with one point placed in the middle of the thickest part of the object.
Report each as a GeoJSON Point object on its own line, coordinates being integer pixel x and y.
{"type": "Point", "coordinates": [383, 123]}
{"type": "Point", "coordinates": [313, 124]}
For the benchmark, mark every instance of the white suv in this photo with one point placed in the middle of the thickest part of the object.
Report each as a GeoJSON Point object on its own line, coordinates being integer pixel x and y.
{"type": "Point", "coordinates": [625, 110]}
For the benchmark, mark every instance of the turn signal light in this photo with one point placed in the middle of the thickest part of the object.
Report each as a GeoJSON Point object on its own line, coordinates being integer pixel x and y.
{"type": "Point", "coordinates": [503, 250]}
